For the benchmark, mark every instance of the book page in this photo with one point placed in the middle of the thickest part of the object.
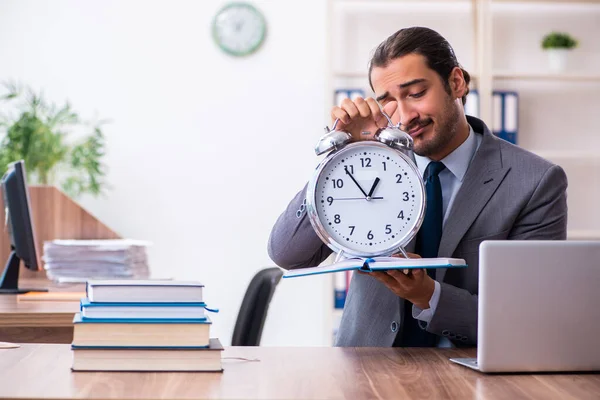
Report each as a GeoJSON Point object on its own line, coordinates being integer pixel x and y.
{"type": "Point", "coordinates": [345, 265]}
{"type": "Point", "coordinates": [381, 263]}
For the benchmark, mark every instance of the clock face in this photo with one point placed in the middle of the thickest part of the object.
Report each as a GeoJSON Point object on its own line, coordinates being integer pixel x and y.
{"type": "Point", "coordinates": [239, 29]}
{"type": "Point", "coordinates": [367, 200]}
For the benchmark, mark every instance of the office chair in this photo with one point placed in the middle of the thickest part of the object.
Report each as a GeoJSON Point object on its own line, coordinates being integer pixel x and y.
{"type": "Point", "coordinates": [253, 311]}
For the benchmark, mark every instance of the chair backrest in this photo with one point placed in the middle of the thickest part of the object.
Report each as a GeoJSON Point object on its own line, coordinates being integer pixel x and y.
{"type": "Point", "coordinates": [253, 311]}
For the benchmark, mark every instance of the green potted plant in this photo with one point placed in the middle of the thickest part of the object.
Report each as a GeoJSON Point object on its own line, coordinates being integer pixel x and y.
{"type": "Point", "coordinates": [558, 45]}
{"type": "Point", "coordinates": [38, 132]}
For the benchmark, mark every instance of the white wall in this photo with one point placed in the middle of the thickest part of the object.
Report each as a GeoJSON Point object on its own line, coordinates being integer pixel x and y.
{"type": "Point", "coordinates": [204, 150]}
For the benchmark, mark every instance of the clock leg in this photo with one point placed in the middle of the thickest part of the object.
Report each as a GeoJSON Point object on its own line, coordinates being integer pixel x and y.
{"type": "Point", "coordinates": [403, 252]}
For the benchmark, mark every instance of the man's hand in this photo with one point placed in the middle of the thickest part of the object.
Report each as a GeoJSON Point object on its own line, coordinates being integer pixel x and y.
{"type": "Point", "coordinates": [362, 117]}
{"type": "Point", "coordinates": [415, 285]}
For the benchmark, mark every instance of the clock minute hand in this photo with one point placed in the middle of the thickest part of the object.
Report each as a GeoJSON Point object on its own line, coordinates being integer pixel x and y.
{"type": "Point", "coordinates": [354, 180]}
{"type": "Point", "coordinates": [358, 198]}
{"type": "Point", "coordinates": [373, 187]}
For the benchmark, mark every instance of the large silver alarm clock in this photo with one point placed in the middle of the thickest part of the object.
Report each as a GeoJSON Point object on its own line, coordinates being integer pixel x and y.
{"type": "Point", "coordinates": [366, 198]}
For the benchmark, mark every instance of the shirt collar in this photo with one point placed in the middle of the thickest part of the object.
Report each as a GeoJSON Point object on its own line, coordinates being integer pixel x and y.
{"type": "Point", "coordinates": [456, 162]}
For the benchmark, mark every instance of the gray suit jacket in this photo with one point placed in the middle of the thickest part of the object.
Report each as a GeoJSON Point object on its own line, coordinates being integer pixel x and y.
{"type": "Point", "coordinates": [507, 193]}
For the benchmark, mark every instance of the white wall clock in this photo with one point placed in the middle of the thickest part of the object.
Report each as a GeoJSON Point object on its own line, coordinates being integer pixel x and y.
{"type": "Point", "coordinates": [239, 29]}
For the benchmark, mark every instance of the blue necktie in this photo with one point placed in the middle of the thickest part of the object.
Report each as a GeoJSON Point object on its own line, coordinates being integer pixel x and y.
{"type": "Point", "coordinates": [430, 234]}
{"type": "Point", "coordinates": [427, 245]}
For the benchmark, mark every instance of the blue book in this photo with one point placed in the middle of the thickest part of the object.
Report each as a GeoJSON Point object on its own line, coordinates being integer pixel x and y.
{"type": "Point", "coordinates": [140, 332]}
{"type": "Point", "coordinates": [148, 311]}
{"type": "Point", "coordinates": [379, 264]}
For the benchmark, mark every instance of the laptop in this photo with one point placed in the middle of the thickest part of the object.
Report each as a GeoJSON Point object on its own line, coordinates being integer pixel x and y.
{"type": "Point", "coordinates": [539, 307]}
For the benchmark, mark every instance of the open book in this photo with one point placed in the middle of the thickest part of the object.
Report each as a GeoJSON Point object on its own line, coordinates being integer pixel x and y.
{"type": "Point", "coordinates": [378, 264]}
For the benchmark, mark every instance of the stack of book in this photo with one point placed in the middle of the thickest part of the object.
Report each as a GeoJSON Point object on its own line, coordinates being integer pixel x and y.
{"type": "Point", "coordinates": [144, 325]}
{"type": "Point", "coordinates": [81, 260]}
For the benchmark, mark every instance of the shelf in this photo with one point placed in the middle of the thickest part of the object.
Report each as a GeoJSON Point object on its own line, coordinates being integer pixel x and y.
{"type": "Point", "coordinates": [538, 76]}
{"type": "Point", "coordinates": [554, 155]}
{"type": "Point", "coordinates": [547, 6]}
{"type": "Point", "coordinates": [537, 2]}
{"type": "Point", "coordinates": [337, 313]}
{"type": "Point", "coordinates": [363, 74]}
{"type": "Point", "coordinates": [504, 75]}
{"type": "Point", "coordinates": [391, 6]}
{"type": "Point", "coordinates": [583, 234]}
{"type": "Point", "coordinates": [350, 74]}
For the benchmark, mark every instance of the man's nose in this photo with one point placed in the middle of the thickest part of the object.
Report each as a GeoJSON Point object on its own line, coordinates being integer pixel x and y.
{"type": "Point", "coordinates": [407, 116]}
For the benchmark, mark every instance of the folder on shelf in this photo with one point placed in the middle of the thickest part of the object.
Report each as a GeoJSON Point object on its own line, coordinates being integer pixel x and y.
{"type": "Point", "coordinates": [511, 113]}
{"type": "Point", "coordinates": [340, 289]}
{"type": "Point", "coordinates": [505, 115]}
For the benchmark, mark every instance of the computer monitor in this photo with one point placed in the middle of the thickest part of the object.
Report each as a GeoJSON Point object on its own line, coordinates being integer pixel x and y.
{"type": "Point", "coordinates": [20, 228]}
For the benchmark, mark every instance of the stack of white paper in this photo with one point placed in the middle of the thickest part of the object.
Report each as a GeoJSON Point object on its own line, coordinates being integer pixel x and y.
{"type": "Point", "coordinates": [80, 260]}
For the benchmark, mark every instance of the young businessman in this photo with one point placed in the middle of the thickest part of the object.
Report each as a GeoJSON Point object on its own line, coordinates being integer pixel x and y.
{"type": "Point", "coordinates": [479, 188]}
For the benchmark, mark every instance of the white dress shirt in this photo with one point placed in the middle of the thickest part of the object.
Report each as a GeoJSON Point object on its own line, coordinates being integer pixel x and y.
{"type": "Point", "coordinates": [451, 179]}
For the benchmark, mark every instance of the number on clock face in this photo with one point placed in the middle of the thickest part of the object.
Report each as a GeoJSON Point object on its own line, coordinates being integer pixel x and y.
{"type": "Point", "coordinates": [368, 198]}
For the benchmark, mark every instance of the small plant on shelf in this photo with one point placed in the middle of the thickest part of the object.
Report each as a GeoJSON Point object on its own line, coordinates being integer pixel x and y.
{"type": "Point", "coordinates": [558, 45]}
{"type": "Point", "coordinates": [559, 40]}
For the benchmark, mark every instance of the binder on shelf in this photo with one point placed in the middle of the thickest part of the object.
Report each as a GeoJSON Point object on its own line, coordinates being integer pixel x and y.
{"type": "Point", "coordinates": [339, 290]}
{"type": "Point", "coordinates": [347, 93]}
{"type": "Point", "coordinates": [506, 115]}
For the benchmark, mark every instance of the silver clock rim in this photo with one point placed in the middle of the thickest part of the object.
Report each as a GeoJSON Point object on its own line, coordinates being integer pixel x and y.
{"type": "Point", "coordinates": [311, 205]}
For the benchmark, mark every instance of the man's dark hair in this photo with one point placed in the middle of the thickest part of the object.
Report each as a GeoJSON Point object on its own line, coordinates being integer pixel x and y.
{"type": "Point", "coordinates": [437, 51]}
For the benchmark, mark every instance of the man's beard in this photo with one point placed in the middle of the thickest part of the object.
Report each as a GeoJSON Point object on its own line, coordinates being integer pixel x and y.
{"type": "Point", "coordinates": [443, 132]}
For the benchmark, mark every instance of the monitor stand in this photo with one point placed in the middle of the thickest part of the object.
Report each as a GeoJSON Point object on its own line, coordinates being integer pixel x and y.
{"type": "Point", "coordinates": [9, 282]}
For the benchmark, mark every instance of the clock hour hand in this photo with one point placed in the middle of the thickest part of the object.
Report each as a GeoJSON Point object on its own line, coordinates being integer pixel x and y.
{"type": "Point", "coordinates": [354, 180]}
{"type": "Point", "coordinates": [373, 187]}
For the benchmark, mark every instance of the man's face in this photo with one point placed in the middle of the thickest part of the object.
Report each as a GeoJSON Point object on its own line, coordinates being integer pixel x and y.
{"type": "Point", "coordinates": [425, 109]}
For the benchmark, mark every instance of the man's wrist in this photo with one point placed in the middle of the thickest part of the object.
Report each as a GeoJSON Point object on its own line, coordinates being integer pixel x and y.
{"type": "Point", "coordinates": [423, 301]}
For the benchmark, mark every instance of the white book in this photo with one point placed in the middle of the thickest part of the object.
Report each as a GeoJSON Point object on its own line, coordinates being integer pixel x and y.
{"type": "Point", "coordinates": [144, 291]}
{"type": "Point", "coordinates": [379, 264]}
{"type": "Point", "coordinates": [86, 358]}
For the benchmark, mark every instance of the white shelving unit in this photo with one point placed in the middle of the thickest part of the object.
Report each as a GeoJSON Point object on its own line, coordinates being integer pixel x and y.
{"type": "Point", "coordinates": [498, 43]}
{"type": "Point", "coordinates": [546, 76]}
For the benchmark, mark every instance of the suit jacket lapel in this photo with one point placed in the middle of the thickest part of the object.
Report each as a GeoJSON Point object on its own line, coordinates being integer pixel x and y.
{"type": "Point", "coordinates": [480, 182]}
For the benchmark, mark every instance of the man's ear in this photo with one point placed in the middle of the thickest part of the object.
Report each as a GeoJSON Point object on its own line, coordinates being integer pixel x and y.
{"type": "Point", "coordinates": [458, 85]}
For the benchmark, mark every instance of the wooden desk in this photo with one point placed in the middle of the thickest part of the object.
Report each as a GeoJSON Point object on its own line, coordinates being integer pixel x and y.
{"type": "Point", "coordinates": [38, 371]}
{"type": "Point", "coordinates": [38, 321]}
